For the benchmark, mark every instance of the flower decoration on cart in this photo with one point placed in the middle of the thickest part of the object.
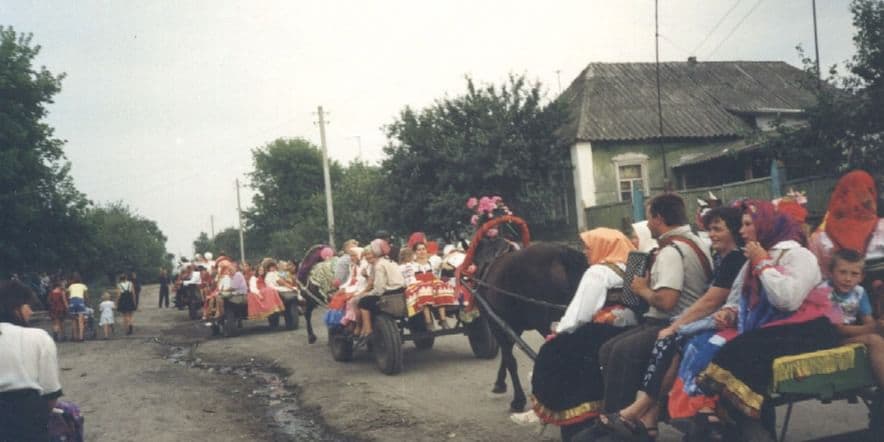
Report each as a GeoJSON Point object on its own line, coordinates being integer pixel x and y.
{"type": "Point", "coordinates": [485, 209]}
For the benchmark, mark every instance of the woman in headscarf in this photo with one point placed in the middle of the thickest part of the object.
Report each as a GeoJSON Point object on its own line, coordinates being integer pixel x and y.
{"type": "Point", "coordinates": [386, 280]}
{"type": "Point", "coordinates": [567, 380]}
{"type": "Point", "coordinates": [773, 310]}
{"type": "Point", "coordinates": [263, 300]}
{"type": "Point", "coordinates": [851, 221]}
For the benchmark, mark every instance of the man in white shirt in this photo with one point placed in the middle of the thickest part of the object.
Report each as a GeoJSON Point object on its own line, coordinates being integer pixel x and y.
{"type": "Point", "coordinates": [29, 382]}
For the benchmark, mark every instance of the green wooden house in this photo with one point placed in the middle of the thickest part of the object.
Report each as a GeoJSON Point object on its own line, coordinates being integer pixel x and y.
{"type": "Point", "coordinates": [712, 113]}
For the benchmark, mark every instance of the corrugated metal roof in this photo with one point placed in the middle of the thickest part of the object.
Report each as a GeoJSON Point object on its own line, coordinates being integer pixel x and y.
{"type": "Point", "coordinates": [618, 101]}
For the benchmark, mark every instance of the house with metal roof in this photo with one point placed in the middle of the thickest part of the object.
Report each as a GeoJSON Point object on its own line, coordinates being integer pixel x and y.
{"type": "Point", "coordinates": [704, 129]}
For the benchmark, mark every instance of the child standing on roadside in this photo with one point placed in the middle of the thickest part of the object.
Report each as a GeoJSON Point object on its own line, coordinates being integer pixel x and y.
{"type": "Point", "coordinates": [858, 325]}
{"type": "Point", "coordinates": [58, 310]}
{"type": "Point", "coordinates": [107, 314]}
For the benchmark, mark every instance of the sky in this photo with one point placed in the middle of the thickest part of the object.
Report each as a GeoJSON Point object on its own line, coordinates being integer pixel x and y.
{"type": "Point", "coordinates": [163, 101]}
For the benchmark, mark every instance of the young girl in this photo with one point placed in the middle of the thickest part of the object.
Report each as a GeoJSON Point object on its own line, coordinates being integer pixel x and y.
{"type": "Point", "coordinates": [107, 313]}
{"type": "Point", "coordinates": [127, 304]}
{"type": "Point", "coordinates": [58, 310]}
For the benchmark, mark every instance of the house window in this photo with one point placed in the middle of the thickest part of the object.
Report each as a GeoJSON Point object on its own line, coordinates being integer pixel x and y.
{"type": "Point", "coordinates": [630, 178]}
{"type": "Point", "coordinates": [632, 173]}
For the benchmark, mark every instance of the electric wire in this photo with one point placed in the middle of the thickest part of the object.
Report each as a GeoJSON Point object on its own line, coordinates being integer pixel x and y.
{"type": "Point", "coordinates": [734, 29]}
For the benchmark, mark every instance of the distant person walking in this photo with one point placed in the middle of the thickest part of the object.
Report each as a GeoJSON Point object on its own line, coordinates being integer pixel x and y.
{"type": "Point", "coordinates": [164, 288]}
{"type": "Point", "coordinates": [58, 310]}
{"type": "Point", "coordinates": [136, 285]}
{"type": "Point", "coordinates": [107, 314]}
{"type": "Point", "coordinates": [126, 302]}
{"type": "Point", "coordinates": [77, 305]}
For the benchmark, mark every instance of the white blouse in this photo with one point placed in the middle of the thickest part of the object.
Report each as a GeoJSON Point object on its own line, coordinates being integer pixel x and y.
{"type": "Point", "coordinates": [590, 296]}
{"type": "Point", "coordinates": [787, 288]}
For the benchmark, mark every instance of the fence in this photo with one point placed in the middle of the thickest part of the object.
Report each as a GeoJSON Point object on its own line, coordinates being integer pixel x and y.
{"type": "Point", "coordinates": [818, 190]}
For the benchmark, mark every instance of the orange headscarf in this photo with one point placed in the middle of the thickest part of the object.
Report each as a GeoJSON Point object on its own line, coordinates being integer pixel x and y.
{"type": "Point", "coordinates": [852, 214]}
{"type": "Point", "coordinates": [606, 245]}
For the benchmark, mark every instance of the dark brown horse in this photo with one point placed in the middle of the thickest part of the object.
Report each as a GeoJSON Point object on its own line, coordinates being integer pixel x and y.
{"type": "Point", "coordinates": [542, 271]}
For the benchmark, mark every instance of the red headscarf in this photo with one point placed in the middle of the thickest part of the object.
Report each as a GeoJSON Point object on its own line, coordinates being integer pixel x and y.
{"type": "Point", "coordinates": [771, 228]}
{"type": "Point", "coordinates": [852, 214]}
{"type": "Point", "coordinates": [416, 238]}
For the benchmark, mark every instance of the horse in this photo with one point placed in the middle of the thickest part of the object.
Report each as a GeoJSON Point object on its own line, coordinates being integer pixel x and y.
{"type": "Point", "coordinates": [542, 271]}
{"type": "Point", "coordinates": [313, 292]}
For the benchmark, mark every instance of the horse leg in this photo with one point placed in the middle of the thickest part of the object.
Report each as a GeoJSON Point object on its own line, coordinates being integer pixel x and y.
{"type": "Point", "coordinates": [518, 403]}
{"type": "Point", "coordinates": [500, 383]}
{"type": "Point", "coordinates": [308, 313]}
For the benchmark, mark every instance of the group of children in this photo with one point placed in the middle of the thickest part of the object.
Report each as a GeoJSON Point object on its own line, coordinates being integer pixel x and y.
{"type": "Point", "coordinates": [72, 302]}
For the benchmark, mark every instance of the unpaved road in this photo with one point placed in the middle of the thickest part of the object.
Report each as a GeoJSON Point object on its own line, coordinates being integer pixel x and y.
{"type": "Point", "coordinates": [171, 382]}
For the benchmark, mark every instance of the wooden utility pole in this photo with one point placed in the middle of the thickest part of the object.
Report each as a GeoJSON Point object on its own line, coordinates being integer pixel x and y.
{"type": "Point", "coordinates": [325, 173]}
{"type": "Point", "coordinates": [212, 225]}
{"type": "Point", "coordinates": [242, 246]}
{"type": "Point", "coordinates": [659, 99]}
{"type": "Point", "coordinates": [816, 44]}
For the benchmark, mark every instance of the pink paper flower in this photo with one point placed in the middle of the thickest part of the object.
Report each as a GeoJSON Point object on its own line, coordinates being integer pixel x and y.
{"type": "Point", "coordinates": [486, 205]}
{"type": "Point", "coordinates": [472, 202]}
{"type": "Point", "coordinates": [474, 220]}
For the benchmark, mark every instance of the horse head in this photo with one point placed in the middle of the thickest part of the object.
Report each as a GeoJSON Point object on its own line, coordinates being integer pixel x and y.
{"type": "Point", "coordinates": [487, 251]}
{"type": "Point", "coordinates": [311, 258]}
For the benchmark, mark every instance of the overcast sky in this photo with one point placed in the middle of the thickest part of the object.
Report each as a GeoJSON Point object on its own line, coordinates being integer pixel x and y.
{"type": "Point", "coordinates": [164, 100]}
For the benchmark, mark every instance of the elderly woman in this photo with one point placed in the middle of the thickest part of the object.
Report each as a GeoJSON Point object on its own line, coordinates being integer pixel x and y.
{"type": "Point", "coordinates": [567, 380]}
{"type": "Point", "coordinates": [386, 279]}
{"type": "Point", "coordinates": [29, 383]}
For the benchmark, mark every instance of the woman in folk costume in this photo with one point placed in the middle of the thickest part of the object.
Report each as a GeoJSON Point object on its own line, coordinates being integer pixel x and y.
{"type": "Point", "coordinates": [567, 381]}
{"type": "Point", "coordinates": [851, 221]}
{"type": "Point", "coordinates": [263, 300]}
{"type": "Point", "coordinates": [773, 310]}
{"type": "Point", "coordinates": [428, 291]}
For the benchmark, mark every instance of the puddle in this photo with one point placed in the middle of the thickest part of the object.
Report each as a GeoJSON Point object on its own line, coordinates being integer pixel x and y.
{"type": "Point", "coordinates": [288, 417]}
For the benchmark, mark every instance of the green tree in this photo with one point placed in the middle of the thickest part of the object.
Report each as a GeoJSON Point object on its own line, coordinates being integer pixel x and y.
{"type": "Point", "coordinates": [203, 243]}
{"type": "Point", "coordinates": [361, 201]}
{"type": "Point", "coordinates": [42, 220]}
{"type": "Point", "coordinates": [845, 129]}
{"type": "Point", "coordinates": [125, 242]}
{"type": "Point", "coordinates": [492, 140]}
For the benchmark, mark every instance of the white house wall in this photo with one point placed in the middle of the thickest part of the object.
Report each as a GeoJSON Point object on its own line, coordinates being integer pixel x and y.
{"type": "Point", "coordinates": [584, 181]}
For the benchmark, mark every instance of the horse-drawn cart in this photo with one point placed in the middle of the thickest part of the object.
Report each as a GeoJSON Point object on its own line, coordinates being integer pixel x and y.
{"type": "Point", "coordinates": [236, 310]}
{"type": "Point", "coordinates": [392, 326]}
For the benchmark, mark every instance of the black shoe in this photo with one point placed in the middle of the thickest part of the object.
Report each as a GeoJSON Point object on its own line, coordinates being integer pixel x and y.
{"type": "Point", "coordinates": [129, 332]}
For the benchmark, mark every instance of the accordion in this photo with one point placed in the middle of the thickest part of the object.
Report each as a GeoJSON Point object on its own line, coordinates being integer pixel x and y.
{"type": "Point", "coordinates": [636, 265]}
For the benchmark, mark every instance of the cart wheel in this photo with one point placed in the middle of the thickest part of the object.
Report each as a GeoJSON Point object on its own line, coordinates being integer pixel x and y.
{"type": "Point", "coordinates": [387, 344]}
{"type": "Point", "coordinates": [216, 329]}
{"type": "Point", "coordinates": [417, 325]}
{"type": "Point", "coordinates": [291, 315]}
{"type": "Point", "coordinates": [273, 320]}
{"type": "Point", "coordinates": [340, 344]}
{"type": "Point", "coordinates": [482, 341]}
{"type": "Point", "coordinates": [230, 328]}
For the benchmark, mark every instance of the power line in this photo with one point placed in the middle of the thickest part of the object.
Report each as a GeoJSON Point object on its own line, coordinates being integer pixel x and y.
{"type": "Point", "coordinates": [734, 29]}
{"type": "Point", "coordinates": [715, 28]}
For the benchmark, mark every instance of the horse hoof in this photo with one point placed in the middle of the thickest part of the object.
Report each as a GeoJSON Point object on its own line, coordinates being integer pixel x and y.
{"type": "Point", "coordinates": [499, 389]}
{"type": "Point", "coordinates": [517, 407]}
{"type": "Point", "coordinates": [311, 339]}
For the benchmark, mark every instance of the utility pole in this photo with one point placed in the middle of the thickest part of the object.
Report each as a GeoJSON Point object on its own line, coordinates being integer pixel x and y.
{"type": "Point", "coordinates": [325, 173]}
{"type": "Point", "coordinates": [559, 79]}
{"type": "Point", "coordinates": [659, 100]}
{"type": "Point", "coordinates": [816, 44]}
{"type": "Point", "coordinates": [242, 247]}
{"type": "Point", "coordinates": [212, 224]}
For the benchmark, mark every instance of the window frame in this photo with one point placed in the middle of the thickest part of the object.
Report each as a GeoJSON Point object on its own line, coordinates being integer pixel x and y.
{"type": "Point", "coordinates": [630, 159]}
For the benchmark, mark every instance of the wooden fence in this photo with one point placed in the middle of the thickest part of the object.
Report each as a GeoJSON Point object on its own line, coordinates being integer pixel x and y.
{"type": "Point", "coordinates": [818, 190]}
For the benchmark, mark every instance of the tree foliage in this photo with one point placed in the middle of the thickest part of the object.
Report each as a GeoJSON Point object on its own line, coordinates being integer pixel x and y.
{"type": "Point", "coordinates": [47, 224]}
{"type": "Point", "coordinates": [845, 129]}
{"type": "Point", "coordinates": [492, 140]}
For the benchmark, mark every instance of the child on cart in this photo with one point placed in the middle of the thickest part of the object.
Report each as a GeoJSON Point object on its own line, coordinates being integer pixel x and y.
{"type": "Point", "coordinates": [852, 301]}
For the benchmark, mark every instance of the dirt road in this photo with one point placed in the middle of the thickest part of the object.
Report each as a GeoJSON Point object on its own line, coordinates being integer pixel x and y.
{"type": "Point", "coordinates": [171, 382]}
